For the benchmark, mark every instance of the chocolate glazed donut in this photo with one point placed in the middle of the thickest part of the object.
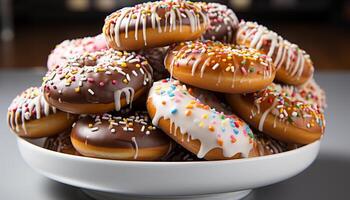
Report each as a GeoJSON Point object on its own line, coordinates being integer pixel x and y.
{"type": "Point", "coordinates": [61, 143]}
{"type": "Point", "coordinates": [155, 24]}
{"type": "Point", "coordinates": [155, 57]}
{"type": "Point", "coordinates": [98, 82]}
{"type": "Point", "coordinates": [129, 137]}
{"type": "Point", "coordinates": [223, 23]}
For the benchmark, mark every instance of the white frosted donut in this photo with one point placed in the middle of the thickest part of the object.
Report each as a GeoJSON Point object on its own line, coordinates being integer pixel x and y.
{"type": "Point", "coordinates": [197, 127]}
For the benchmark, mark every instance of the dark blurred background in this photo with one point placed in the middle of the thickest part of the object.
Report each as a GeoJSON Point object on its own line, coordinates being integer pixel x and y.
{"type": "Point", "coordinates": [31, 28]}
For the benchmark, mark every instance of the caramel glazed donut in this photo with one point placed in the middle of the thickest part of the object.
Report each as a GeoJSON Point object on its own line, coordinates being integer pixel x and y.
{"type": "Point", "coordinates": [98, 82]}
{"type": "Point", "coordinates": [111, 136]}
{"type": "Point", "coordinates": [29, 115]}
{"type": "Point", "coordinates": [278, 113]}
{"type": "Point", "coordinates": [155, 24]}
{"type": "Point", "coordinates": [223, 23]}
{"type": "Point", "coordinates": [264, 145]}
{"type": "Point", "coordinates": [197, 127]}
{"type": "Point", "coordinates": [220, 67]}
{"type": "Point", "coordinates": [293, 64]}
{"type": "Point", "coordinates": [312, 93]}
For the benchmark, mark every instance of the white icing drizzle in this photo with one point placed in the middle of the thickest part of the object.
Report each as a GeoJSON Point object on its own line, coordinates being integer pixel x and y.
{"type": "Point", "coordinates": [173, 18]}
{"type": "Point", "coordinates": [206, 125]}
{"type": "Point", "coordinates": [281, 50]}
{"type": "Point", "coordinates": [23, 106]}
{"type": "Point", "coordinates": [264, 116]}
{"type": "Point", "coordinates": [133, 139]}
{"type": "Point", "coordinates": [129, 96]}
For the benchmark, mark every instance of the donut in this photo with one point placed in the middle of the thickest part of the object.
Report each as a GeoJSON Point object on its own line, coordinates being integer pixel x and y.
{"type": "Point", "coordinates": [220, 67]}
{"type": "Point", "coordinates": [155, 57]}
{"type": "Point", "coordinates": [195, 126]}
{"type": "Point", "coordinates": [312, 93]}
{"type": "Point", "coordinates": [98, 82]}
{"type": "Point", "coordinates": [61, 143]}
{"type": "Point", "coordinates": [155, 24]}
{"type": "Point", "coordinates": [30, 116]}
{"type": "Point", "coordinates": [180, 154]}
{"type": "Point", "coordinates": [293, 64]}
{"type": "Point", "coordinates": [69, 49]}
{"type": "Point", "coordinates": [268, 146]}
{"type": "Point", "coordinates": [223, 23]}
{"type": "Point", "coordinates": [112, 136]}
{"type": "Point", "coordinates": [279, 114]}
{"type": "Point", "coordinates": [211, 99]}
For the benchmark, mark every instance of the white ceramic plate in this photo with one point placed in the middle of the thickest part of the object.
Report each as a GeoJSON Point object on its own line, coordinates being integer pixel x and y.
{"type": "Point", "coordinates": [111, 179]}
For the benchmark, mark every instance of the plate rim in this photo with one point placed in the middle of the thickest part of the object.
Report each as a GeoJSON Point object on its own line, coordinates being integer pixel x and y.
{"type": "Point", "coordinates": [26, 141]}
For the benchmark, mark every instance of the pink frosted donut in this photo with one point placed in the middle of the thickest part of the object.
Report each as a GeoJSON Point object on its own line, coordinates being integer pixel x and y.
{"type": "Point", "coordinates": [71, 48]}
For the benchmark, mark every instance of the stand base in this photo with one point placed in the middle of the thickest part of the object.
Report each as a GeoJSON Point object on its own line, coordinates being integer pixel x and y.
{"type": "Point", "coordinates": [219, 196]}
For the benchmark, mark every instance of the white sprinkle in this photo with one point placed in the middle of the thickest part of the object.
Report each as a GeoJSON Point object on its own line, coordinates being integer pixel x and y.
{"type": "Point", "coordinates": [134, 72]}
{"type": "Point", "coordinates": [134, 60]}
{"type": "Point", "coordinates": [91, 92]}
{"type": "Point", "coordinates": [114, 123]}
{"type": "Point", "coordinates": [128, 77]}
{"type": "Point", "coordinates": [125, 128]}
{"type": "Point", "coordinates": [129, 58]}
{"type": "Point", "coordinates": [122, 122]}
{"type": "Point", "coordinates": [143, 128]}
{"type": "Point", "coordinates": [141, 70]}
{"type": "Point", "coordinates": [113, 130]}
{"type": "Point", "coordinates": [94, 129]}
{"type": "Point", "coordinates": [130, 129]}
{"type": "Point", "coordinates": [147, 132]}
{"type": "Point", "coordinates": [73, 125]}
{"type": "Point", "coordinates": [215, 66]}
{"type": "Point", "coordinates": [123, 73]}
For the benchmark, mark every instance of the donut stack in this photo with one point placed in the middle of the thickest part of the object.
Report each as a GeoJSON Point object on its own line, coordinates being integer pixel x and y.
{"type": "Point", "coordinates": [174, 80]}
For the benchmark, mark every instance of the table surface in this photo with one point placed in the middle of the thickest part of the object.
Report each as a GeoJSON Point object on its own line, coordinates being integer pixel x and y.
{"type": "Point", "coordinates": [327, 178]}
